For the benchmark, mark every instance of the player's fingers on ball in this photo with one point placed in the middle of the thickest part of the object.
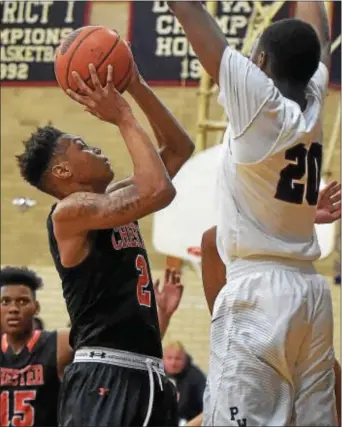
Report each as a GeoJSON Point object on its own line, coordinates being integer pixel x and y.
{"type": "Point", "coordinates": [81, 84]}
{"type": "Point", "coordinates": [110, 74]}
{"type": "Point", "coordinates": [95, 78]}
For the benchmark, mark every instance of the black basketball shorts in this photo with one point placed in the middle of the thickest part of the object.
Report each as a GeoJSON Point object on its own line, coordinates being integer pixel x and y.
{"type": "Point", "coordinates": [104, 395]}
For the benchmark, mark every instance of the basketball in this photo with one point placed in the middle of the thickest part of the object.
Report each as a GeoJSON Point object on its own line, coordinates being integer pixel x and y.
{"type": "Point", "coordinates": [97, 45]}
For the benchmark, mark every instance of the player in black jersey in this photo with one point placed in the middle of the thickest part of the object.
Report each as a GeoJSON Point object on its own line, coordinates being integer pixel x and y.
{"type": "Point", "coordinates": [117, 378]}
{"type": "Point", "coordinates": [32, 361]}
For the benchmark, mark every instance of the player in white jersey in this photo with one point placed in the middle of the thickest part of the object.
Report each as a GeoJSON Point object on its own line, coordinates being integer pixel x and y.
{"type": "Point", "coordinates": [272, 356]}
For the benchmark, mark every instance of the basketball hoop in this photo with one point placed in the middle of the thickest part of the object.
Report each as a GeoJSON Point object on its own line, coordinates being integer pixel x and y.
{"type": "Point", "coordinates": [195, 250]}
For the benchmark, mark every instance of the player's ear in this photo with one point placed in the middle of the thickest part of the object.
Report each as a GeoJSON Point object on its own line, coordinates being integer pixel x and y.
{"type": "Point", "coordinates": [37, 308]}
{"type": "Point", "coordinates": [262, 60]}
{"type": "Point", "coordinates": [61, 170]}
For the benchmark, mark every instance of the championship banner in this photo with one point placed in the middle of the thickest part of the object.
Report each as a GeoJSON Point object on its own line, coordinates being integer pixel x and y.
{"type": "Point", "coordinates": [31, 31]}
{"type": "Point", "coordinates": [161, 49]}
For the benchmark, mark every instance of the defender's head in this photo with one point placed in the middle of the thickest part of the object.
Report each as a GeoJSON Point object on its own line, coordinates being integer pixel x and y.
{"type": "Point", "coordinates": [18, 286]}
{"type": "Point", "coordinates": [288, 51]}
{"type": "Point", "coordinates": [60, 164]}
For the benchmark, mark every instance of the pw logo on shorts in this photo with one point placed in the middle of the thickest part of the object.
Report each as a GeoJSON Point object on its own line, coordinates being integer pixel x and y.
{"type": "Point", "coordinates": [234, 410]}
{"type": "Point", "coordinates": [94, 354]}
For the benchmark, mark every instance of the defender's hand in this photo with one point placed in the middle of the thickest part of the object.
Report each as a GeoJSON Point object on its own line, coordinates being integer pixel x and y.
{"type": "Point", "coordinates": [105, 103]}
{"type": "Point", "coordinates": [329, 204]}
{"type": "Point", "coordinates": [169, 297]}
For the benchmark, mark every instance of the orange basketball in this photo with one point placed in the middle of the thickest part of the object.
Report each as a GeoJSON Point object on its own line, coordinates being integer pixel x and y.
{"type": "Point", "coordinates": [99, 46]}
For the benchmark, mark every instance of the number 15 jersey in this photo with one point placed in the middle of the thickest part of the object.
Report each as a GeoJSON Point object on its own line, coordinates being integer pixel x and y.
{"type": "Point", "coordinates": [269, 174]}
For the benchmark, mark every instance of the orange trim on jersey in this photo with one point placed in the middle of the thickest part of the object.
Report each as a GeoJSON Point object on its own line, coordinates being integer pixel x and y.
{"type": "Point", "coordinates": [30, 343]}
{"type": "Point", "coordinates": [33, 340]}
{"type": "Point", "coordinates": [4, 343]}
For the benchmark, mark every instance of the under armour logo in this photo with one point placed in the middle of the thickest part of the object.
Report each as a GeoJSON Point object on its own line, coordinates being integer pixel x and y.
{"type": "Point", "coordinates": [103, 391]}
{"type": "Point", "coordinates": [94, 354]}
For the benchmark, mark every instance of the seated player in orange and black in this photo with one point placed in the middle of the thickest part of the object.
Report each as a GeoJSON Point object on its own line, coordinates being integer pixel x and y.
{"type": "Point", "coordinates": [32, 361]}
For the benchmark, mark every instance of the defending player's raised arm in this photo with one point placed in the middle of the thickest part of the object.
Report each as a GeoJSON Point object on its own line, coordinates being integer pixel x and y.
{"type": "Point", "coordinates": [205, 36]}
{"type": "Point", "coordinates": [175, 145]}
{"type": "Point", "coordinates": [244, 87]}
{"type": "Point", "coordinates": [315, 13]}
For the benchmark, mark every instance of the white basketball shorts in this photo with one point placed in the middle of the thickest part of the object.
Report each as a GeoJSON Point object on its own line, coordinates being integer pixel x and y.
{"type": "Point", "coordinates": [272, 355]}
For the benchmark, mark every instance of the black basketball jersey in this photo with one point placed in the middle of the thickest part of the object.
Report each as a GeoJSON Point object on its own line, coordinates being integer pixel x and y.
{"type": "Point", "coordinates": [29, 382]}
{"type": "Point", "coordinates": [109, 296]}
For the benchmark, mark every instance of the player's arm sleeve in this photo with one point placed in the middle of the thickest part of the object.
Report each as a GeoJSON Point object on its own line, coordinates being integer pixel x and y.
{"type": "Point", "coordinates": [261, 120]}
{"type": "Point", "coordinates": [321, 80]}
{"type": "Point", "coordinates": [244, 90]}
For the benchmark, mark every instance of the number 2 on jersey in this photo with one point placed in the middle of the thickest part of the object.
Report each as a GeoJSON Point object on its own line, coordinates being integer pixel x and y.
{"type": "Point", "coordinates": [143, 294]}
{"type": "Point", "coordinates": [23, 411]}
{"type": "Point", "coordinates": [309, 162]}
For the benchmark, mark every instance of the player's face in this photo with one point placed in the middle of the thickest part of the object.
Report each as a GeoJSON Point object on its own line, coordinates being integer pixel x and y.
{"type": "Point", "coordinates": [174, 360]}
{"type": "Point", "coordinates": [85, 164]}
{"type": "Point", "coordinates": [18, 306]}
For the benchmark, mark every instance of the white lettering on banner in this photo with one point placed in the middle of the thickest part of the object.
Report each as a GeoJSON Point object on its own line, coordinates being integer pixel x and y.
{"type": "Point", "coordinates": [236, 7]}
{"type": "Point", "coordinates": [69, 18]}
{"type": "Point", "coordinates": [28, 54]}
{"type": "Point", "coordinates": [233, 19]}
{"type": "Point", "coordinates": [35, 36]}
{"type": "Point", "coordinates": [14, 71]}
{"type": "Point", "coordinates": [31, 33]}
{"type": "Point", "coordinates": [20, 12]}
{"type": "Point", "coordinates": [160, 7]}
{"type": "Point", "coordinates": [190, 69]}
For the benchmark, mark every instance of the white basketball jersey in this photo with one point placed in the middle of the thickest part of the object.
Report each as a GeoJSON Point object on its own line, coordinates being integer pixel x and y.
{"type": "Point", "coordinates": [270, 171]}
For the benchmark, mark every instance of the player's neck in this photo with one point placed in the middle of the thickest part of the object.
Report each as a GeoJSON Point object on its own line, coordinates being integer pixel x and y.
{"type": "Point", "coordinates": [294, 92]}
{"type": "Point", "coordinates": [18, 342]}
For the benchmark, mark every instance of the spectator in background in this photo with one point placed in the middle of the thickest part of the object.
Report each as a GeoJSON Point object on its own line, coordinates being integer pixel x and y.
{"type": "Point", "coordinates": [190, 380]}
{"type": "Point", "coordinates": [38, 324]}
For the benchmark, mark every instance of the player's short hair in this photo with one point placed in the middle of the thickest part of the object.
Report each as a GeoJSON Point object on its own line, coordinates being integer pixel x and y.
{"type": "Point", "coordinates": [10, 275]}
{"type": "Point", "coordinates": [293, 49]}
{"type": "Point", "coordinates": [39, 149]}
